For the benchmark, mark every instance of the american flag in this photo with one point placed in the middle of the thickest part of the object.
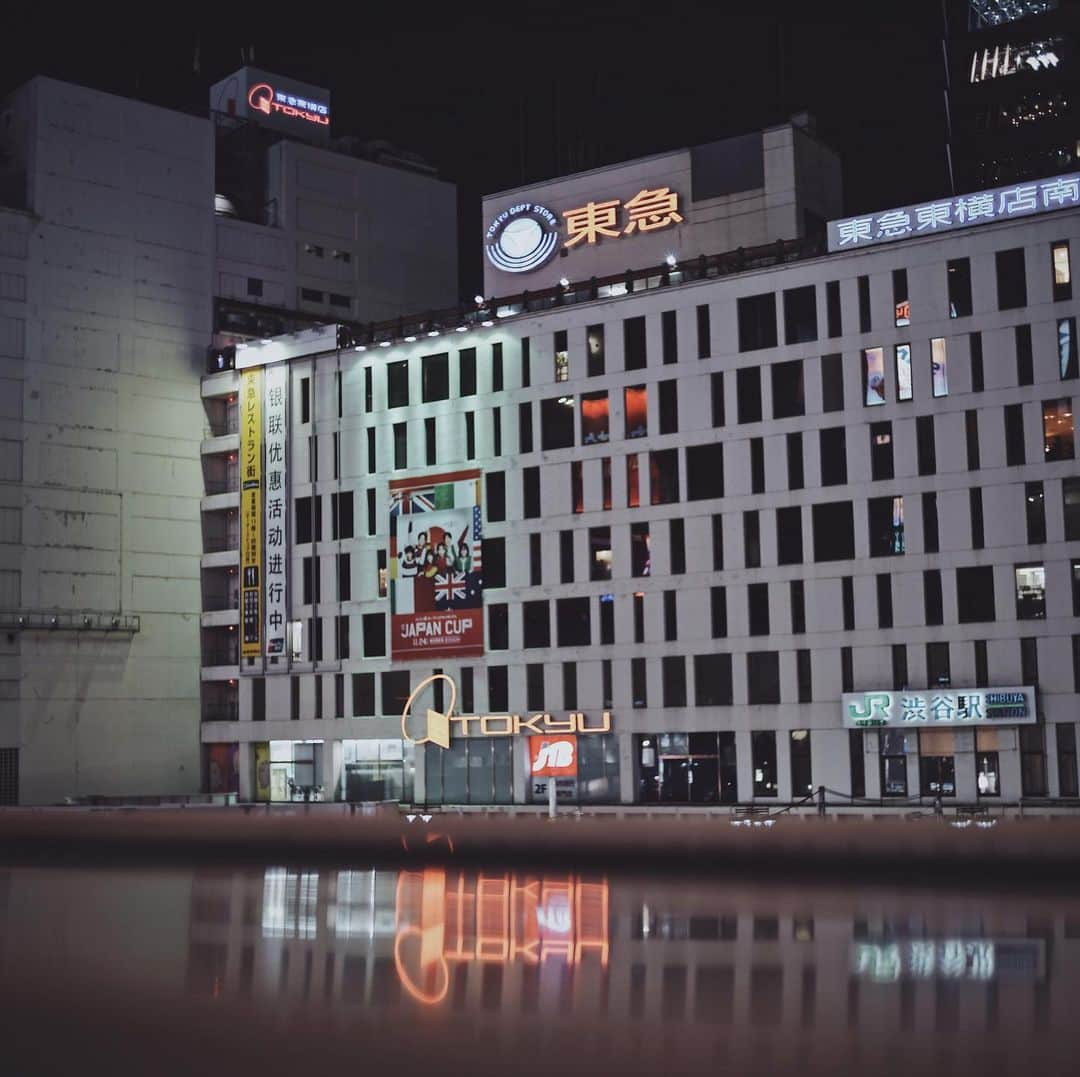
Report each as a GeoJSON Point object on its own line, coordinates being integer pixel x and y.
{"type": "Point", "coordinates": [449, 587]}
{"type": "Point", "coordinates": [407, 501]}
{"type": "Point", "coordinates": [477, 535]}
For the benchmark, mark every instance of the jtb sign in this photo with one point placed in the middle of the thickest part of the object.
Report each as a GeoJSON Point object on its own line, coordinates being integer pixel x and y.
{"type": "Point", "coordinates": [940, 708]}
{"type": "Point", "coordinates": [999, 204]}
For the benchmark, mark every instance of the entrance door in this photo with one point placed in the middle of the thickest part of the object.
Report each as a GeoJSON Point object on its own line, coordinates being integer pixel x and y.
{"type": "Point", "coordinates": [689, 779]}
{"type": "Point", "coordinates": [674, 779]}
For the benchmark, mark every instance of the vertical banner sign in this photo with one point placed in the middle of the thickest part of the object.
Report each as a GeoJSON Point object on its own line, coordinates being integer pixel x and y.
{"type": "Point", "coordinates": [251, 450]}
{"type": "Point", "coordinates": [436, 574]}
{"type": "Point", "coordinates": [277, 559]}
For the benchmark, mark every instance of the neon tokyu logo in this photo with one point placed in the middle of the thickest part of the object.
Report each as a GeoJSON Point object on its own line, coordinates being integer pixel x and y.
{"type": "Point", "coordinates": [263, 98]}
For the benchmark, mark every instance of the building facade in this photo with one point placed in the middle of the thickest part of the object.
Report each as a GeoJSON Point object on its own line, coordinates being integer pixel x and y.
{"type": "Point", "coordinates": [728, 531]}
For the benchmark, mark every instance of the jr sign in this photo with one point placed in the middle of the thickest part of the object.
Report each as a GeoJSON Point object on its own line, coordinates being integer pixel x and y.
{"type": "Point", "coordinates": [939, 708]}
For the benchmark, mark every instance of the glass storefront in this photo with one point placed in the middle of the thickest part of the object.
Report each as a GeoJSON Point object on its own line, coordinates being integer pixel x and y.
{"type": "Point", "coordinates": [374, 770]}
{"type": "Point", "coordinates": [296, 768]}
{"type": "Point", "coordinates": [597, 780]}
{"type": "Point", "coordinates": [473, 770]}
{"type": "Point", "coordinates": [686, 768]}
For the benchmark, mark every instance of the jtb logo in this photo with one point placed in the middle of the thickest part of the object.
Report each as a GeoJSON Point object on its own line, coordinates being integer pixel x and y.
{"type": "Point", "coordinates": [553, 758]}
{"type": "Point", "coordinates": [874, 709]}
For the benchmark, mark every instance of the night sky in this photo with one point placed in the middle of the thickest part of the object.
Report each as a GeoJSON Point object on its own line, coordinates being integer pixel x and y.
{"type": "Point", "coordinates": [519, 93]}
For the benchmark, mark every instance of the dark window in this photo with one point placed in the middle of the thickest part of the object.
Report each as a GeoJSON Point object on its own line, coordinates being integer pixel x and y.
{"type": "Point", "coordinates": [467, 371]}
{"type": "Point", "coordinates": [864, 304]}
{"type": "Point", "coordinates": [847, 670]}
{"type": "Point", "coordinates": [787, 389]}
{"type": "Point", "coordinates": [899, 667]}
{"type": "Point", "coordinates": [342, 632]}
{"type": "Point", "coordinates": [566, 556]}
{"type": "Point", "coordinates": [832, 308]}
{"type": "Point", "coordinates": [258, 699]}
{"type": "Point", "coordinates": [534, 686]}
{"type": "Point", "coordinates": [556, 423]}
{"type": "Point", "coordinates": [717, 389]}
{"type": "Point", "coordinates": [833, 443]}
{"type": "Point", "coordinates": [401, 446]}
{"type": "Point", "coordinates": [639, 696]}
{"type": "Point", "coordinates": [607, 619]}
{"type": "Point", "coordinates": [757, 601]}
{"type": "Point", "coordinates": [1011, 282]}
{"type": "Point", "coordinates": [1025, 361]}
{"type": "Point", "coordinates": [677, 544]}
{"type": "Point", "coordinates": [634, 343]}
{"type": "Point", "coordinates": [982, 664]}
{"type": "Point", "coordinates": [718, 543]}
{"type": "Point", "coordinates": [757, 465]}
{"type": "Point", "coordinates": [832, 383]}
{"type": "Point", "coordinates": [712, 680]}
{"type": "Point", "coordinates": [1065, 735]}
{"type": "Point", "coordinates": [664, 477]}
{"type": "Point", "coordinates": [1070, 498]}
{"type": "Point", "coordinates": [435, 377]}
{"type": "Point", "coordinates": [933, 606]}
{"type": "Point", "coordinates": [341, 515]}
{"type": "Point", "coordinates": [669, 406]}
{"type": "Point", "coordinates": [310, 584]}
{"type": "Point", "coordinates": [971, 433]}
{"type": "Point", "coordinates": [525, 426]}
{"type": "Point", "coordinates": [639, 617]}
{"type": "Point", "coordinates": [800, 315]}
{"type": "Point", "coordinates": [798, 607]}
{"type": "Point", "coordinates": [640, 556]}
{"type": "Point", "coordinates": [371, 450]}
{"type": "Point", "coordinates": [303, 520]}
{"type": "Point", "coordinates": [884, 600]}
{"type": "Point", "coordinates": [496, 368]}
{"type": "Point", "coordinates": [397, 384]}
{"type": "Point", "coordinates": [752, 538]}
{"type": "Point", "coordinates": [958, 272]}
{"type": "Point", "coordinates": [671, 616]}
{"type": "Point", "coordinates": [1029, 660]}
{"type": "Point", "coordinates": [789, 544]}
{"type": "Point", "coordinates": [573, 627]}
{"type": "Point", "coordinates": [975, 505]}
{"type": "Point", "coordinates": [718, 611]}
{"type": "Point", "coordinates": [372, 523]}
{"type": "Point", "coordinates": [374, 629]}
{"type": "Point", "coordinates": [569, 685]}
{"type": "Point", "coordinates": [924, 445]}
{"type": "Point", "coordinates": [494, 562]}
{"type": "Point", "coordinates": [834, 531]}
{"type": "Point", "coordinates": [1014, 435]}
{"type": "Point", "coordinates": [363, 695]}
{"type": "Point", "coordinates": [530, 487]}
{"type": "Point", "coordinates": [496, 495]}
{"type": "Point", "coordinates": [901, 300]}
{"type": "Point", "coordinates": [801, 781]}
{"type": "Point", "coordinates": [577, 487]}
{"type": "Point", "coordinates": [975, 594]}
{"type": "Point", "coordinates": [704, 471]}
{"type": "Point", "coordinates": [763, 677]}
{"type": "Point", "coordinates": [1035, 510]}
{"type": "Point", "coordinates": [594, 346]}
{"type": "Point", "coordinates": [757, 322]}
{"type": "Point", "coordinates": [305, 400]}
{"type": "Point", "coordinates": [703, 334]}
{"type": "Point", "coordinates": [470, 435]}
{"type": "Point", "coordinates": [803, 676]}
{"type": "Point", "coordinates": [748, 394]}
{"type": "Point", "coordinates": [763, 759]}
{"type": "Point", "coordinates": [795, 461]}
{"type": "Point", "coordinates": [526, 373]}
{"type": "Point", "coordinates": [975, 343]}
{"type": "Point", "coordinates": [669, 336]}
{"type": "Point", "coordinates": [498, 626]}
{"type": "Point", "coordinates": [369, 391]}
{"type": "Point", "coordinates": [673, 680]}
{"type": "Point", "coordinates": [536, 624]}
{"type": "Point", "coordinates": [1032, 761]}
{"type": "Point", "coordinates": [536, 560]}
{"type": "Point", "coordinates": [886, 519]}
{"type": "Point", "coordinates": [607, 690]}
{"type": "Point", "coordinates": [858, 763]}
{"type": "Point", "coordinates": [345, 577]}
{"type": "Point", "coordinates": [847, 601]}
{"type": "Point", "coordinates": [498, 688]}
{"type": "Point", "coordinates": [881, 451]}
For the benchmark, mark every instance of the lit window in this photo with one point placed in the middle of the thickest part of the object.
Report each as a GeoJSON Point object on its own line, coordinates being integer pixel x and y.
{"type": "Point", "coordinates": [594, 418]}
{"type": "Point", "coordinates": [636, 409]}
{"type": "Point", "coordinates": [1030, 592]}
{"type": "Point", "coordinates": [1062, 271]}
{"type": "Point", "coordinates": [938, 366]}
{"type": "Point", "coordinates": [903, 372]}
{"type": "Point", "coordinates": [1067, 357]}
{"type": "Point", "coordinates": [1058, 429]}
{"type": "Point", "coordinates": [874, 374]}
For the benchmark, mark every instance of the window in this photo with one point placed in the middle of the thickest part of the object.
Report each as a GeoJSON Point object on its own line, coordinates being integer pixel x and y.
{"type": "Point", "coordinates": [494, 562]}
{"type": "Point", "coordinates": [638, 694]}
{"type": "Point", "coordinates": [671, 616]}
{"type": "Point", "coordinates": [795, 460]}
{"type": "Point", "coordinates": [310, 586]}
{"type": "Point", "coordinates": [1059, 260]}
{"type": "Point", "coordinates": [975, 594]}
{"type": "Point", "coordinates": [857, 762]}
{"type": "Point", "coordinates": [536, 624]}
{"type": "Point", "coordinates": [958, 272]}
{"type": "Point", "coordinates": [833, 444]}
{"type": "Point", "coordinates": [718, 543]}
{"type": "Point", "coordinates": [975, 505]}
{"type": "Point", "coordinates": [530, 489]}
{"type": "Point", "coordinates": [930, 523]}
{"type": "Point", "coordinates": [975, 346]}
{"type": "Point", "coordinates": [342, 634]}
{"type": "Point", "coordinates": [864, 304]}
{"type": "Point", "coordinates": [557, 423]}
{"type": "Point", "coordinates": [305, 400]}
{"type": "Point", "coordinates": [303, 520]}
{"type": "Point", "coordinates": [495, 495]}
{"type": "Point", "coordinates": [881, 451]}
{"type": "Point", "coordinates": [1065, 735]}
{"type": "Point", "coordinates": [363, 695]}
{"type": "Point", "coordinates": [381, 572]}
{"type": "Point", "coordinates": [971, 434]}
{"type": "Point", "coordinates": [757, 599]}
{"type": "Point", "coordinates": [606, 681]}
{"type": "Point", "coordinates": [430, 441]}
{"type": "Point", "coordinates": [1030, 592]}
{"type": "Point", "coordinates": [372, 522]}
{"type": "Point", "coordinates": [924, 445]}
{"type": "Point", "coordinates": [832, 383]}
{"type": "Point", "coordinates": [397, 384]}
{"type": "Point", "coordinates": [435, 377]}
{"type": "Point", "coordinates": [1029, 660]}
{"type": "Point", "coordinates": [763, 677]}
{"type": "Point", "coordinates": [677, 546]}
{"type": "Point", "coordinates": [763, 758]}
{"type": "Point", "coordinates": [573, 627]}
{"type": "Point", "coordinates": [313, 459]}
{"type": "Point", "coordinates": [801, 782]}
{"type": "Point", "coordinates": [789, 544]}
{"type": "Point", "coordinates": [704, 336]}
{"type": "Point", "coordinates": [987, 770]}
{"type": "Point", "coordinates": [938, 672]}
{"type": "Point", "coordinates": [712, 680]}
{"type": "Point", "coordinates": [496, 368]}
{"type": "Point", "coordinates": [798, 607]}
{"type": "Point", "coordinates": [886, 516]}
{"type": "Point", "coordinates": [566, 556]}
{"type": "Point", "coordinates": [933, 604]}
{"type": "Point", "coordinates": [371, 450]}
{"type": "Point", "coordinates": [938, 367]}
{"type": "Point", "coordinates": [1014, 435]}
{"type": "Point", "coordinates": [834, 531]}
{"type": "Point", "coordinates": [498, 693]}
{"type": "Point", "coordinates": [1025, 364]}
{"type": "Point", "coordinates": [639, 617]}
{"type": "Point", "coordinates": [1070, 498]}
{"type": "Point", "coordinates": [669, 337]}
{"type": "Point", "coordinates": [800, 315]}
{"type": "Point", "coordinates": [344, 575]}
{"type": "Point", "coordinates": [664, 477]}
{"type": "Point", "coordinates": [341, 515]}
{"type": "Point", "coordinates": [673, 680]}
{"type": "Point", "coordinates": [893, 763]}
{"type": "Point", "coordinates": [634, 343]}
{"type": "Point", "coordinates": [787, 389]}
{"type": "Point", "coordinates": [718, 611]}
{"type": "Point", "coordinates": [757, 465]}
{"type": "Point", "coordinates": [847, 599]}
{"type": "Point", "coordinates": [1068, 365]}
{"type": "Point", "coordinates": [373, 626]}
{"type": "Point", "coordinates": [633, 492]}
{"type": "Point", "coordinates": [594, 418]}
{"type": "Point", "coordinates": [937, 773]}
{"type": "Point", "coordinates": [1011, 282]}
{"type": "Point", "coordinates": [902, 360]}
{"type": "Point", "coordinates": [255, 286]}
{"type": "Point", "coordinates": [536, 560]}
{"type": "Point", "coordinates": [569, 685]}
{"type": "Point", "coordinates": [757, 322]}
{"type": "Point", "coordinates": [748, 394]}
{"type": "Point", "coordinates": [884, 600]}
{"type": "Point", "coordinates": [401, 446]}
{"type": "Point", "coordinates": [498, 626]}
{"type": "Point", "coordinates": [832, 308]}
{"type": "Point", "coordinates": [669, 406]}
{"type": "Point", "coordinates": [640, 554]}
{"type": "Point", "coordinates": [752, 539]}
{"type": "Point", "coordinates": [594, 351]}
{"type": "Point", "coordinates": [704, 471]}
{"type": "Point", "coordinates": [607, 619]}
{"type": "Point", "coordinates": [369, 390]}
{"type": "Point", "coordinates": [1035, 511]}
{"type": "Point", "coordinates": [1057, 429]}
{"type": "Point", "coordinates": [803, 676]}
{"type": "Point", "coordinates": [467, 372]}
{"type": "Point", "coordinates": [562, 356]}
{"type": "Point", "coordinates": [605, 483]}
{"type": "Point", "coordinates": [1032, 761]}
{"type": "Point", "coordinates": [525, 426]}
{"type": "Point", "coordinates": [901, 302]}
{"type": "Point", "coordinates": [982, 664]}
{"type": "Point", "coordinates": [636, 411]}
{"type": "Point", "coordinates": [577, 487]}
{"type": "Point", "coordinates": [526, 372]}
{"type": "Point", "coordinates": [534, 686]}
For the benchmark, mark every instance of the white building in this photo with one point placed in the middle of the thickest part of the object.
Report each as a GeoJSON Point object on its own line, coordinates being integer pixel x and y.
{"type": "Point", "coordinates": [115, 274]}
{"type": "Point", "coordinates": [780, 519]}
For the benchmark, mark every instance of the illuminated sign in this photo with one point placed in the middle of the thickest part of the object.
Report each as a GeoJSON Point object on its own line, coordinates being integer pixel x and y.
{"type": "Point", "coordinates": [525, 237]}
{"type": "Point", "coordinates": [1004, 60]}
{"type": "Point", "coordinates": [251, 522]}
{"type": "Point", "coordinates": [940, 708]}
{"type": "Point", "coordinates": [553, 757]}
{"type": "Point", "coordinates": [437, 723]}
{"type": "Point", "coordinates": [948, 959]}
{"type": "Point", "coordinates": [981, 207]}
{"type": "Point", "coordinates": [275, 395]}
{"type": "Point", "coordinates": [262, 97]}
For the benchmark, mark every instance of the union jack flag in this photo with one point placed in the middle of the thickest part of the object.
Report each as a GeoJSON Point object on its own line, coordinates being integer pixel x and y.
{"type": "Point", "coordinates": [449, 587]}
{"type": "Point", "coordinates": [477, 536]}
{"type": "Point", "coordinates": [408, 501]}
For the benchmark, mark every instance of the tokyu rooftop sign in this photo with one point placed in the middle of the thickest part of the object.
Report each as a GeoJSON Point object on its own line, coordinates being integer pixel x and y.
{"type": "Point", "coordinates": [959, 211]}
{"type": "Point", "coordinates": [939, 708]}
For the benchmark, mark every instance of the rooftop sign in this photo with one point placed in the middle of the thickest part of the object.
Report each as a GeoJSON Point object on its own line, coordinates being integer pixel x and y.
{"type": "Point", "coordinates": [940, 708]}
{"type": "Point", "coordinates": [960, 211]}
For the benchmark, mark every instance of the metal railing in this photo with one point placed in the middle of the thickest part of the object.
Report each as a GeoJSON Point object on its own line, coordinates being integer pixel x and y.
{"type": "Point", "coordinates": [69, 620]}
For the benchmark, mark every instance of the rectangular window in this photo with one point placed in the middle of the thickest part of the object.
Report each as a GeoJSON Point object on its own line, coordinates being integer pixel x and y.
{"type": "Point", "coordinates": [371, 461]}
{"type": "Point", "coordinates": [881, 451]}
{"type": "Point", "coordinates": [958, 272]}
{"type": "Point", "coordinates": [525, 426]}
{"type": "Point", "coordinates": [498, 688]}
{"type": "Point", "coordinates": [763, 760]}
{"type": "Point", "coordinates": [939, 367]}
{"type": "Point", "coordinates": [924, 445]}
{"type": "Point", "coordinates": [857, 762]}
{"type": "Point", "coordinates": [302, 516]}
{"type": "Point", "coordinates": [373, 627]}
{"type": "Point", "coordinates": [337, 454]}
{"type": "Point", "coordinates": [704, 336]}
{"type": "Point", "coordinates": [798, 607]}
{"type": "Point", "coordinates": [369, 390]}
{"type": "Point", "coordinates": [982, 664]}
{"type": "Point", "coordinates": [1030, 593]}
{"type": "Point", "coordinates": [712, 680]}
{"type": "Point", "coordinates": [536, 560]}
{"type": "Point", "coordinates": [975, 505]}
{"type": "Point", "coordinates": [607, 690]}
{"type": "Point", "coordinates": [757, 602]}
{"type": "Point", "coordinates": [834, 531]}
{"type": "Point", "coordinates": [804, 676]}
{"type": "Point", "coordinates": [669, 406]}
{"type": "Point", "coordinates": [1025, 363]}
{"type": "Point", "coordinates": [470, 435]}
{"type": "Point", "coordinates": [381, 571]}
{"type": "Point", "coordinates": [902, 360]}
{"type": "Point", "coordinates": [305, 400]}
{"type": "Point", "coordinates": [636, 411]}
{"type": "Point", "coordinates": [864, 304]}
{"type": "Point", "coordinates": [1011, 280]}
{"type": "Point", "coordinates": [752, 539]}
{"type": "Point", "coordinates": [572, 622]}
{"type": "Point", "coordinates": [757, 322]}
{"type": "Point", "coordinates": [634, 343]}
{"type": "Point", "coordinates": [971, 434]}
{"type": "Point", "coordinates": [832, 383]}
{"type": "Point", "coordinates": [716, 382]}
{"type": "Point", "coordinates": [467, 372]}
{"type": "Point", "coordinates": [429, 441]}
{"type": "Point", "coordinates": [763, 677]}
{"type": "Point", "coordinates": [536, 624]}
{"type": "Point", "coordinates": [801, 781]}
{"type": "Point", "coordinates": [344, 575]}
{"type": "Point", "coordinates": [640, 554]}
{"type": "Point", "coordinates": [633, 491]}
{"type": "Point", "coordinates": [1062, 270]}
{"type": "Point", "coordinates": [789, 543]}
{"type": "Point", "coordinates": [757, 465]}
{"type": "Point", "coordinates": [607, 619]}
{"type": "Point", "coordinates": [569, 685]}
{"type": "Point", "coordinates": [938, 672]}
{"type": "Point", "coordinates": [899, 667]}
{"type": "Point", "coordinates": [886, 516]}
{"type": "Point", "coordinates": [1057, 429]}
{"type": "Point", "coordinates": [342, 633]}
{"type": "Point", "coordinates": [1035, 511]}
{"type": "Point", "coordinates": [787, 389]}
{"type": "Point", "coordinates": [638, 694]}
{"type": "Point", "coordinates": [566, 556]}
{"type": "Point", "coordinates": [530, 492]}
{"type": "Point", "coordinates": [562, 356]}
{"type": "Point", "coordinates": [1068, 365]}
{"type": "Point", "coordinates": [1065, 736]}
{"type": "Point", "coordinates": [639, 617]}
{"type": "Point", "coordinates": [435, 377]}
{"type": "Point", "coordinates": [664, 477]}
{"type": "Point", "coordinates": [884, 600]}
{"type": "Point", "coordinates": [526, 369]}
{"type": "Point", "coordinates": [1032, 761]}
{"type": "Point", "coordinates": [673, 675]}
{"type": "Point", "coordinates": [748, 394]}
{"type": "Point", "coordinates": [577, 487]}
{"type": "Point", "coordinates": [557, 423]}
{"type": "Point", "coordinates": [494, 562]}
{"type": "Point", "coordinates": [397, 384]}
{"type": "Point", "coordinates": [718, 543]}
{"type": "Point", "coordinates": [932, 597]}
{"type": "Point", "coordinates": [975, 594]}
{"type": "Point", "coordinates": [1014, 435]}
{"type": "Point", "coordinates": [669, 337]}
{"type": "Point", "coordinates": [975, 345]}
{"type": "Point", "coordinates": [1070, 499]}
{"type": "Point", "coordinates": [363, 695]}
{"type": "Point", "coordinates": [930, 523]}
{"type": "Point", "coordinates": [677, 545]}
{"type": "Point", "coordinates": [832, 308]}
{"type": "Point", "coordinates": [873, 376]}
{"type": "Point", "coordinates": [401, 446]}
{"type": "Point", "coordinates": [372, 522]}
{"type": "Point", "coordinates": [605, 483]}
{"type": "Point", "coordinates": [310, 581]}
{"type": "Point", "coordinates": [495, 495]}
{"type": "Point", "coordinates": [467, 681]}
{"type": "Point", "coordinates": [901, 301]}
{"type": "Point", "coordinates": [795, 461]}
{"type": "Point", "coordinates": [800, 314]}
{"type": "Point", "coordinates": [847, 598]}
{"type": "Point", "coordinates": [833, 452]}
{"type": "Point", "coordinates": [496, 368]}
{"type": "Point", "coordinates": [594, 349]}
{"type": "Point", "coordinates": [718, 611]}
{"type": "Point", "coordinates": [594, 418]}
